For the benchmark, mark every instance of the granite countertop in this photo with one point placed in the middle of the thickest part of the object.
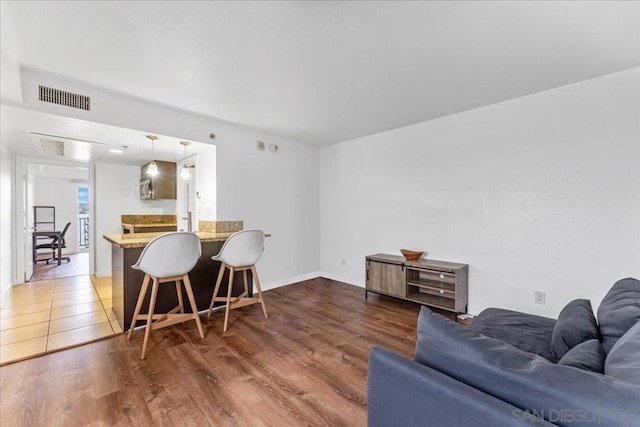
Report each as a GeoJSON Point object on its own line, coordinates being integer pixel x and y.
{"type": "Point", "coordinates": [221, 226]}
{"type": "Point", "coordinates": [149, 225]}
{"type": "Point", "coordinates": [139, 240]}
{"type": "Point", "coordinates": [148, 220]}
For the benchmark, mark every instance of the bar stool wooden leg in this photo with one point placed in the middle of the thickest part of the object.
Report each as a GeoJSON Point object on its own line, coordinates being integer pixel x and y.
{"type": "Point", "coordinates": [152, 306]}
{"type": "Point", "coordinates": [141, 295]}
{"type": "Point", "coordinates": [179, 292]}
{"type": "Point", "coordinates": [228, 307]}
{"type": "Point", "coordinates": [192, 301]}
{"type": "Point", "coordinates": [255, 276]}
{"type": "Point", "coordinates": [246, 283]}
{"type": "Point", "coordinates": [217, 288]}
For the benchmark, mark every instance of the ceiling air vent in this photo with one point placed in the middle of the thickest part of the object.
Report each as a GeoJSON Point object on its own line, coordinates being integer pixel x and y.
{"type": "Point", "coordinates": [51, 147]}
{"type": "Point", "coordinates": [61, 97]}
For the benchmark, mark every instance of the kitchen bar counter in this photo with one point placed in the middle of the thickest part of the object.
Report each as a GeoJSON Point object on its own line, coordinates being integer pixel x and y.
{"type": "Point", "coordinates": [143, 228]}
{"type": "Point", "coordinates": [126, 282]}
{"type": "Point", "coordinates": [148, 219]}
{"type": "Point", "coordinates": [148, 223]}
{"type": "Point", "coordinates": [139, 240]}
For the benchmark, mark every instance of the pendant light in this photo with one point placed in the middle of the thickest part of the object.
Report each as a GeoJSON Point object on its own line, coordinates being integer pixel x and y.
{"type": "Point", "coordinates": [152, 169]}
{"type": "Point", "coordinates": [185, 173]}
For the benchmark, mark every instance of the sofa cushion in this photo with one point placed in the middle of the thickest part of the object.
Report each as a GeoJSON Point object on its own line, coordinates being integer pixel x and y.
{"type": "Point", "coordinates": [404, 393]}
{"type": "Point", "coordinates": [576, 324]}
{"type": "Point", "coordinates": [588, 355]}
{"type": "Point", "coordinates": [527, 332]}
{"type": "Point", "coordinates": [619, 311]}
{"type": "Point", "coordinates": [535, 385]}
{"type": "Point", "coordinates": [623, 361]}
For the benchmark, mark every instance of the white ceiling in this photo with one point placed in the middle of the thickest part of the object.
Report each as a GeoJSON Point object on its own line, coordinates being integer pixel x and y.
{"type": "Point", "coordinates": [21, 130]}
{"type": "Point", "coordinates": [321, 72]}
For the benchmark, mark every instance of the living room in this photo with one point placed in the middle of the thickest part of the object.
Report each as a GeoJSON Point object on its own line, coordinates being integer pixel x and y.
{"type": "Point", "coordinates": [501, 135]}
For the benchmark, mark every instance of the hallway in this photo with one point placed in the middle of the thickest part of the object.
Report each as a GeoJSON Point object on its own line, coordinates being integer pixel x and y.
{"type": "Point", "coordinates": [77, 266]}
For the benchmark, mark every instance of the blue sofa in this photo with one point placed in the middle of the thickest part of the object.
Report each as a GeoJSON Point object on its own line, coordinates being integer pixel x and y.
{"type": "Point", "coordinates": [515, 369]}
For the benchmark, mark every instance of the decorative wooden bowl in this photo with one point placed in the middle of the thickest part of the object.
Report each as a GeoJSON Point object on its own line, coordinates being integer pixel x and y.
{"type": "Point", "coordinates": [411, 255]}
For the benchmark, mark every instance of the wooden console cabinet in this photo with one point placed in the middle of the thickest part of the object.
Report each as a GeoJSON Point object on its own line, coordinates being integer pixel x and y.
{"type": "Point", "coordinates": [438, 284]}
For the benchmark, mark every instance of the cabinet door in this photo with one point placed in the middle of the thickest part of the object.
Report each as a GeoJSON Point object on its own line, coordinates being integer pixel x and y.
{"type": "Point", "coordinates": [386, 278]}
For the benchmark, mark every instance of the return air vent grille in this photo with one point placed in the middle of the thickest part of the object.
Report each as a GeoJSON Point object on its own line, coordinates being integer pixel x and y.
{"type": "Point", "coordinates": [51, 147]}
{"type": "Point", "coordinates": [61, 97]}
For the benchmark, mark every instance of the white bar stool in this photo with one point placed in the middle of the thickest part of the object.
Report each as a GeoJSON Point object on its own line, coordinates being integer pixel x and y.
{"type": "Point", "coordinates": [167, 258]}
{"type": "Point", "coordinates": [240, 252]}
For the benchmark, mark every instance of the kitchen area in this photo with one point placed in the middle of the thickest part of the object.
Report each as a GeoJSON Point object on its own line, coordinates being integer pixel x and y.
{"type": "Point", "coordinates": [125, 205]}
{"type": "Point", "coordinates": [179, 192]}
{"type": "Point", "coordinates": [168, 187]}
{"type": "Point", "coordinates": [126, 248]}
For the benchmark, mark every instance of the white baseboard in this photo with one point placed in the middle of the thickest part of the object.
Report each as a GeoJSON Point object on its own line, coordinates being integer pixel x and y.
{"type": "Point", "coordinates": [312, 275]}
{"type": "Point", "coordinates": [103, 273]}
{"type": "Point", "coordinates": [339, 278]}
{"type": "Point", "coordinates": [290, 280]}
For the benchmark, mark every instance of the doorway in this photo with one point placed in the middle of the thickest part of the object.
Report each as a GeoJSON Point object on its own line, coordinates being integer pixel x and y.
{"type": "Point", "coordinates": [56, 209]}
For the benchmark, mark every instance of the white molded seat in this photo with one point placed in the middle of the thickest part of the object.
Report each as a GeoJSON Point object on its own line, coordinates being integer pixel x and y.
{"type": "Point", "coordinates": [241, 249]}
{"type": "Point", "coordinates": [170, 254]}
{"type": "Point", "coordinates": [167, 258]}
{"type": "Point", "coordinates": [240, 252]}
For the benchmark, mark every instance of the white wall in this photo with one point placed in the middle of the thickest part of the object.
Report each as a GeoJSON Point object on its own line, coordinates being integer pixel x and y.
{"type": "Point", "coordinates": [6, 214]}
{"type": "Point", "coordinates": [63, 194]}
{"type": "Point", "coordinates": [206, 185]}
{"type": "Point", "coordinates": [274, 192]}
{"type": "Point", "coordinates": [277, 193]}
{"type": "Point", "coordinates": [117, 193]}
{"type": "Point", "coordinates": [536, 193]}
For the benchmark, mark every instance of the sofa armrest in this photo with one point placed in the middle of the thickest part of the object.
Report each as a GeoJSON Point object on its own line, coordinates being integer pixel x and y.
{"type": "Point", "coordinates": [401, 392]}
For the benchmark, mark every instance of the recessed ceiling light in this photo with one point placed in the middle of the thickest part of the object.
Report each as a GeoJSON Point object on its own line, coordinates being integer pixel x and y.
{"type": "Point", "coordinates": [113, 150]}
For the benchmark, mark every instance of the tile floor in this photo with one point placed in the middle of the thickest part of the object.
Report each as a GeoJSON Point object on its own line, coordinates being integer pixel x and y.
{"type": "Point", "coordinates": [50, 315]}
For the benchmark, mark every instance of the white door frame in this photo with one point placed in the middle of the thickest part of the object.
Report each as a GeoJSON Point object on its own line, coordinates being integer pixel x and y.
{"type": "Point", "coordinates": [18, 224]}
{"type": "Point", "coordinates": [186, 195]}
{"type": "Point", "coordinates": [19, 213]}
{"type": "Point", "coordinates": [27, 225]}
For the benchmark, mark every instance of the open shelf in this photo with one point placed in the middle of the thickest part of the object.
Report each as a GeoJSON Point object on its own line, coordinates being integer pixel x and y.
{"type": "Point", "coordinates": [434, 292]}
{"type": "Point", "coordinates": [431, 275]}
{"type": "Point", "coordinates": [440, 301]}
{"type": "Point", "coordinates": [429, 284]}
{"type": "Point", "coordinates": [435, 288]}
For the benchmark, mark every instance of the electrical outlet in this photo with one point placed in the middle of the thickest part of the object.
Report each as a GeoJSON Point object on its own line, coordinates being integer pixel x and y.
{"type": "Point", "coordinates": [539, 297]}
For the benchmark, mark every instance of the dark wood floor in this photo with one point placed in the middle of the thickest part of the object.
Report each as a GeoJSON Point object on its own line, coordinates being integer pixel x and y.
{"type": "Point", "coordinates": [305, 365]}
